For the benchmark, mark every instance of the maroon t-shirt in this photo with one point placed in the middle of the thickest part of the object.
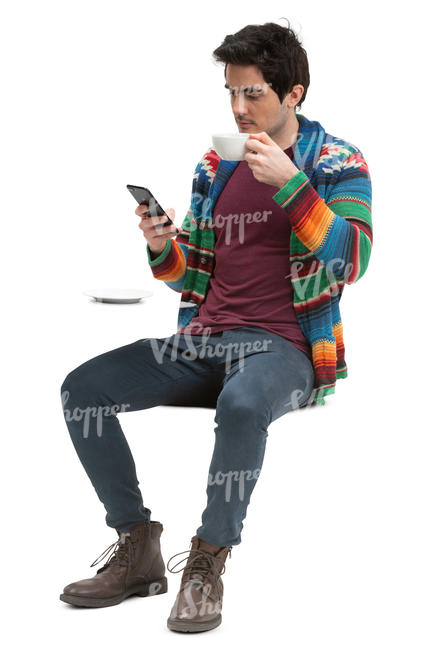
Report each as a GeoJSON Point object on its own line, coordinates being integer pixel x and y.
{"type": "Point", "coordinates": [250, 284]}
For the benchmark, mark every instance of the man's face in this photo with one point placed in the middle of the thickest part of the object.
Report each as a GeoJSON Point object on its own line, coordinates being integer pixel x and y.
{"type": "Point", "coordinates": [255, 102]}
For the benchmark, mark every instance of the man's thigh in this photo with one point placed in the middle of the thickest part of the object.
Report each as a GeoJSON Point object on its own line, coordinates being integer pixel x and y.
{"type": "Point", "coordinates": [272, 382]}
{"type": "Point", "coordinates": [143, 374]}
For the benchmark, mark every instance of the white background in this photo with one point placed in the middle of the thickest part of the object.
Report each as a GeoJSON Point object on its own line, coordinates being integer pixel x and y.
{"type": "Point", "coordinates": [100, 94]}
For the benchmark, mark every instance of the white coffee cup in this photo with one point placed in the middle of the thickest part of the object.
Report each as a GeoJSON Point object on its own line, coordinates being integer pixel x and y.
{"type": "Point", "coordinates": [230, 146]}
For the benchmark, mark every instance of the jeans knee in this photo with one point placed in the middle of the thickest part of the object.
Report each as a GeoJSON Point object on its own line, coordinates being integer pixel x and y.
{"type": "Point", "coordinates": [76, 390]}
{"type": "Point", "coordinates": [242, 409]}
{"type": "Point", "coordinates": [69, 383]}
{"type": "Point", "coordinates": [66, 384]}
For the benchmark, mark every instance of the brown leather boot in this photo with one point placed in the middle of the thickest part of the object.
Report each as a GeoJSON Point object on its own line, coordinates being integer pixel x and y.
{"type": "Point", "coordinates": [199, 601]}
{"type": "Point", "coordinates": [135, 566]}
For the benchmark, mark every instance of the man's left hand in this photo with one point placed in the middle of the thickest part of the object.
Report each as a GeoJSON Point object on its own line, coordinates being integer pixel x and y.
{"type": "Point", "coordinates": [269, 164]}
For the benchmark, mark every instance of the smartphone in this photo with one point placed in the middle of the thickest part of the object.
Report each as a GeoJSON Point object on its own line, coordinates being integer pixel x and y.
{"type": "Point", "coordinates": [143, 196]}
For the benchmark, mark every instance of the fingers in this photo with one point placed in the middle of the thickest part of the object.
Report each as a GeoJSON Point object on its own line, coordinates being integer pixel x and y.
{"type": "Point", "coordinates": [154, 224]}
{"type": "Point", "coordinates": [255, 145]}
{"type": "Point", "coordinates": [141, 209]}
{"type": "Point", "coordinates": [158, 242]}
{"type": "Point", "coordinates": [156, 232]}
{"type": "Point", "coordinates": [156, 229]}
{"type": "Point", "coordinates": [149, 223]}
{"type": "Point", "coordinates": [143, 212]}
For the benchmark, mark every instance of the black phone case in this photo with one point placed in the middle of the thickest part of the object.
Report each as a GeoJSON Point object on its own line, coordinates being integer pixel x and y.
{"type": "Point", "coordinates": [143, 196]}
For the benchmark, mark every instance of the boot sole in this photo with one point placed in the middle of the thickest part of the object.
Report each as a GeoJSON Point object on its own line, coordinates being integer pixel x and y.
{"type": "Point", "coordinates": [146, 589]}
{"type": "Point", "coordinates": [185, 626]}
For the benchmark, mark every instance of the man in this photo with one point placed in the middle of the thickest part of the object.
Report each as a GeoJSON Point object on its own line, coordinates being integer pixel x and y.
{"type": "Point", "coordinates": [260, 261]}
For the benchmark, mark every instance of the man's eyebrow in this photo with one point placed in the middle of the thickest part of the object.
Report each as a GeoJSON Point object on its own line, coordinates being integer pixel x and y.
{"type": "Point", "coordinates": [247, 88]}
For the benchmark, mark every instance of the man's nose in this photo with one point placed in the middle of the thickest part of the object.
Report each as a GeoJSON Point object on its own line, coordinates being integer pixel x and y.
{"type": "Point", "coordinates": [239, 105]}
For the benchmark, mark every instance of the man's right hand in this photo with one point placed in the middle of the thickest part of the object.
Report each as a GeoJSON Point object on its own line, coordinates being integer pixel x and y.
{"type": "Point", "coordinates": [155, 233]}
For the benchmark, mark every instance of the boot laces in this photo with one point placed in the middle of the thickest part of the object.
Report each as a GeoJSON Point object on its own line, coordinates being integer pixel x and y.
{"type": "Point", "coordinates": [120, 553]}
{"type": "Point", "coordinates": [199, 563]}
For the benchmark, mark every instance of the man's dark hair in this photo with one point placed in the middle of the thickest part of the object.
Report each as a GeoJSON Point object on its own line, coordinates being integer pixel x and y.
{"type": "Point", "coordinates": [275, 50]}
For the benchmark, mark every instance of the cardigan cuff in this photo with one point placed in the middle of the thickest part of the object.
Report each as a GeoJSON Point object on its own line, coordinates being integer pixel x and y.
{"type": "Point", "coordinates": [289, 191]}
{"type": "Point", "coordinates": [170, 264]}
{"type": "Point", "coordinates": [157, 261]}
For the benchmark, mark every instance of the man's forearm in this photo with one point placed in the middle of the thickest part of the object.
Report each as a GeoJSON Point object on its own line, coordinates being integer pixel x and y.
{"type": "Point", "coordinates": [341, 240]}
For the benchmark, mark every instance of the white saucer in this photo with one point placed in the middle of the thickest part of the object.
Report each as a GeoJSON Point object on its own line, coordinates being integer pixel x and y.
{"type": "Point", "coordinates": [123, 296]}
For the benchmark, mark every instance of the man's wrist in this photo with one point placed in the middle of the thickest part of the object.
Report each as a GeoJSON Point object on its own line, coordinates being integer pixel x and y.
{"type": "Point", "coordinates": [287, 177]}
{"type": "Point", "coordinates": [155, 253]}
{"type": "Point", "coordinates": [155, 259]}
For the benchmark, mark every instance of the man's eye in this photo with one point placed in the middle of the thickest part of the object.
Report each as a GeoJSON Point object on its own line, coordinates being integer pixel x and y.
{"type": "Point", "coordinates": [232, 93]}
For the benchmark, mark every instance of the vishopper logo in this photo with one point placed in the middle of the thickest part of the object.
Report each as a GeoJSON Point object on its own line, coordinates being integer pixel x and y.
{"type": "Point", "coordinates": [196, 594]}
{"type": "Point", "coordinates": [227, 478]}
{"type": "Point", "coordinates": [221, 221]}
{"type": "Point", "coordinates": [296, 400]}
{"type": "Point", "coordinates": [255, 89]}
{"type": "Point", "coordinates": [154, 588]}
{"type": "Point", "coordinates": [90, 412]}
{"type": "Point", "coordinates": [314, 276]}
{"type": "Point", "coordinates": [201, 350]}
{"type": "Point", "coordinates": [302, 153]}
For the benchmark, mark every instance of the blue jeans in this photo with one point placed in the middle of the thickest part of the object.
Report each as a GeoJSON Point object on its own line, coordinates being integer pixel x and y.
{"type": "Point", "coordinates": [250, 376]}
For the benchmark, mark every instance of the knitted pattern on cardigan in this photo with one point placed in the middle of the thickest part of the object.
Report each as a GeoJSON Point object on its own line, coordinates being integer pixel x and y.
{"type": "Point", "coordinates": [329, 205]}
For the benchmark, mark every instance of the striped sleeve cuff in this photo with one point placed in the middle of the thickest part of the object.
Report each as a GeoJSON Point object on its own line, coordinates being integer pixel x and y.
{"type": "Point", "coordinates": [170, 264]}
{"type": "Point", "coordinates": [289, 191]}
{"type": "Point", "coordinates": [308, 213]}
{"type": "Point", "coordinates": [159, 258]}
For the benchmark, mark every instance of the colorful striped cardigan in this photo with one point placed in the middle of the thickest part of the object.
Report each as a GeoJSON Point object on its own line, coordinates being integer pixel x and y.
{"type": "Point", "coordinates": [329, 205]}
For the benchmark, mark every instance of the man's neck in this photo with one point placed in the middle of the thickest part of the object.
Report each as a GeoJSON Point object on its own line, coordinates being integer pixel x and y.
{"type": "Point", "coordinates": [288, 137]}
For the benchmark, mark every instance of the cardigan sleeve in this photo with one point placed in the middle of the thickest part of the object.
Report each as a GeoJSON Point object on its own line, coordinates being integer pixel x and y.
{"type": "Point", "coordinates": [339, 230]}
{"type": "Point", "coordinates": [170, 265]}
